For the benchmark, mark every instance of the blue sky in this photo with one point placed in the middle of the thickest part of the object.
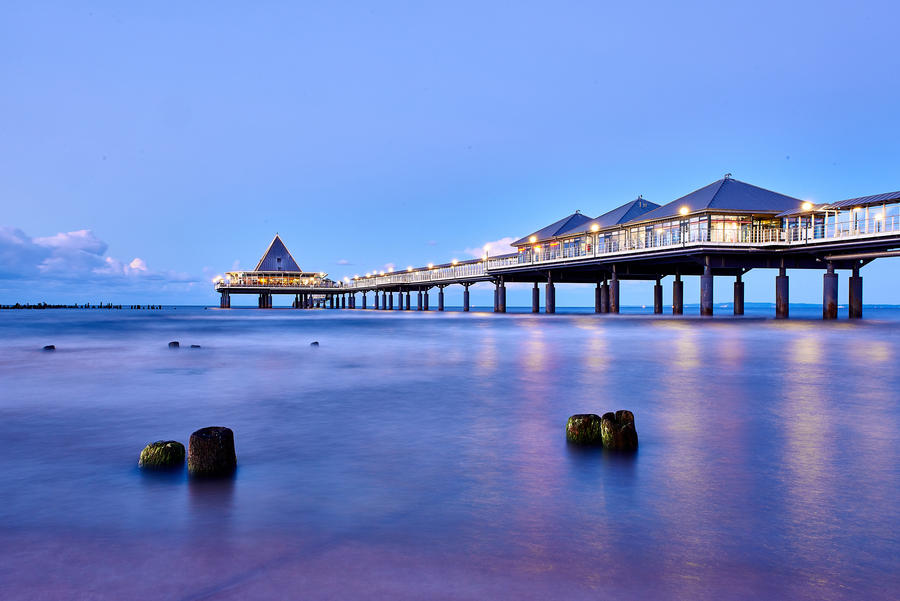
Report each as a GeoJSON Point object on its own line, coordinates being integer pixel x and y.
{"type": "Point", "coordinates": [148, 148]}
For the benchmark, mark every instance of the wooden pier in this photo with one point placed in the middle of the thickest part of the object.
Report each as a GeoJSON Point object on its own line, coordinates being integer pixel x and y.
{"type": "Point", "coordinates": [724, 229]}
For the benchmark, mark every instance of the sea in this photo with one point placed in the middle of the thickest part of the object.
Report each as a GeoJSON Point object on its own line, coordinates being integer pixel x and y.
{"type": "Point", "coordinates": [422, 455]}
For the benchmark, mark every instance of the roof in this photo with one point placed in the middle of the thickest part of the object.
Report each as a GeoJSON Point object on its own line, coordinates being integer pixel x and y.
{"type": "Point", "coordinates": [277, 258]}
{"type": "Point", "coordinates": [727, 194]}
{"type": "Point", "coordinates": [865, 200]}
{"type": "Point", "coordinates": [554, 229]}
{"type": "Point", "coordinates": [621, 214]}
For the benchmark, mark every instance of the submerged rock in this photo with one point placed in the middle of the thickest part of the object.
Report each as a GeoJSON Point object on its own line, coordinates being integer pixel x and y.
{"type": "Point", "coordinates": [50, 347]}
{"type": "Point", "coordinates": [583, 428]}
{"type": "Point", "coordinates": [174, 344]}
{"type": "Point", "coordinates": [314, 343]}
{"type": "Point", "coordinates": [195, 346]}
{"type": "Point", "coordinates": [162, 455]}
{"type": "Point", "coordinates": [211, 452]}
{"type": "Point", "coordinates": [618, 432]}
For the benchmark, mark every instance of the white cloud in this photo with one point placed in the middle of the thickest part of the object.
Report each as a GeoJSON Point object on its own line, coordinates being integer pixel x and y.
{"type": "Point", "coordinates": [495, 247]}
{"type": "Point", "coordinates": [71, 256]}
{"type": "Point", "coordinates": [343, 262]}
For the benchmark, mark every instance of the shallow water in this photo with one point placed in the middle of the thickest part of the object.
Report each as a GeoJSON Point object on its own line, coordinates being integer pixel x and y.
{"type": "Point", "coordinates": [417, 456]}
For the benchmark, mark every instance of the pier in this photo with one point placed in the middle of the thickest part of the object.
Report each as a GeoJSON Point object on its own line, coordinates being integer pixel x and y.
{"type": "Point", "coordinates": [724, 229]}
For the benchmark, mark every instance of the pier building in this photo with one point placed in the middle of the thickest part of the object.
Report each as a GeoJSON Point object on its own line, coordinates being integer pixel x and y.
{"type": "Point", "coordinates": [723, 229]}
{"type": "Point", "coordinates": [276, 273]}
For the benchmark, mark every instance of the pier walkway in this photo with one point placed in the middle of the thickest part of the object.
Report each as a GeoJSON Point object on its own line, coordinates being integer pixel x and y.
{"type": "Point", "coordinates": [724, 229]}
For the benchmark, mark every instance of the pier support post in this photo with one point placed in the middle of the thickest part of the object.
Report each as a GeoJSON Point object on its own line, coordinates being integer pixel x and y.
{"type": "Point", "coordinates": [677, 295]}
{"type": "Point", "coordinates": [331, 301]}
{"type": "Point", "coordinates": [830, 293]}
{"type": "Point", "coordinates": [604, 296]}
{"type": "Point", "coordinates": [375, 304]}
{"type": "Point", "coordinates": [425, 300]}
{"type": "Point", "coordinates": [782, 306]}
{"type": "Point", "coordinates": [738, 295]}
{"type": "Point", "coordinates": [343, 301]}
{"type": "Point", "coordinates": [598, 295]}
{"type": "Point", "coordinates": [384, 300]}
{"type": "Point", "coordinates": [390, 305]}
{"type": "Point", "coordinates": [408, 305]}
{"type": "Point", "coordinates": [225, 301]}
{"type": "Point", "coordinates": [496, 297]}
{"type": "Point", "coordinates": [364, 295]}
{"type": "Point", "coordinates": [440, 298]}
{"type": "Point", "coordinates": [550, 296]}
{"type": "Point", "coordinates": [501, 297]}
{"type": "Point", "coordinates": [419, 302]}
{"type": "Point", "coordinates": [536, 299]}
{"type": "Point", "coordinates": [657, 297]}
{"type": "Point", "coordinates": [465, 297]}
{"type": "Point", "coordinates": [856, 294]}
{"type": "Point", "coordinates": [706, 290]}
{"type": "Point", "coordinates": [614, 292]}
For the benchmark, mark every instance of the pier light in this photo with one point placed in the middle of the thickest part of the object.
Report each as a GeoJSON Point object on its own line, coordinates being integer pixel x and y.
{"type": "Point", "coordinates": [390, 270]}
{"type": "Point", "coordinates": [659, 231]}
{"type": "Point", "coordinates": [879, 216]}
{"type": "Point", "coordinates": [409, 268]}
{"type": "Point", "coordinates": [368, 274]}
{"type": "Point", "coordinates": [683, 211]}
{"type": "Point", "coordinates": [537, 247]}
{"type": "Point", "coordinates": [430, 265]}
{"type": "Point", "coordinates": [532, 239]}
{"type": "Point", "coordinates": [454, 262]}
{"type": "Point", "coordinates": [595, 227]}
{"type": "Point", "coordinates": [382, 273]}
{"type": "Point", "coordinates": [807, 206]}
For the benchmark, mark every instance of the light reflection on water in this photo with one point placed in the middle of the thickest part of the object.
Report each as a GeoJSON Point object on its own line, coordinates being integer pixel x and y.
{"type": "Point", "coordinates": [424, 454]}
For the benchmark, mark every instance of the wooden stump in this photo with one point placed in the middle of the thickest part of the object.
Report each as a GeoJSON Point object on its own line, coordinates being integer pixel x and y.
{"type": "Point", "coordinates": [162, 455]}
{"type": "Point", "coordinates": [618, 432]}
{"type": "Point", "coordinates": [211, 452]}
{"type": "Point", "coordinates": [583, 428]}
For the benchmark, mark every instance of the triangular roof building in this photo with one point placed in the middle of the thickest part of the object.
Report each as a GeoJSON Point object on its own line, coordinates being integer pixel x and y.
{"type": "Point", "coordinates": [277, 258]}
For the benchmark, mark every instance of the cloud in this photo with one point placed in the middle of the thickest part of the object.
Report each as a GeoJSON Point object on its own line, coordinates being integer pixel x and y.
{"type": "Point", "coordinates": [495, 247]}
{"type": "Point", "coordinates": [73, 257]}
{"type": "Point", "coordinates": [344, 262]}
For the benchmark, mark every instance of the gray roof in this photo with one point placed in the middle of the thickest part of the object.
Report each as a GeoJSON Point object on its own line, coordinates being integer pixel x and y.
{"type": "Point", "coordinates": [865, 200]}
{"type": "Point", "coordinates": [554, 229]}
{"type": "Point", "coordinates": [622, 214]}
{"type": "Point", "coordinates": [727, 194]}
{"type": "Point", "coordinates": [277, 258]}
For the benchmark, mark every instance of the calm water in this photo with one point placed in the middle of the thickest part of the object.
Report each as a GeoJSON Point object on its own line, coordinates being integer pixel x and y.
{"type": "Point", "coordinates": [422, 456]}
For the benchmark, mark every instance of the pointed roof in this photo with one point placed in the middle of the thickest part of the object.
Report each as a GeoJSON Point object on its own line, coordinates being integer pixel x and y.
{"type": "Point", "coordinates": [554, 229]}
{"type": "Point", "coordinates": [277, 258]}
{"type": "Point", "coordinates": [727, 194]}
{"type": "Point", "coordinates": [621, 214]}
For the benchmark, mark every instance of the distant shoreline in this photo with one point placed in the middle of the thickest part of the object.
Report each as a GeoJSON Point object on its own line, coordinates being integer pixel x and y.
{"type": "Point", "coordinates": [76, 306]}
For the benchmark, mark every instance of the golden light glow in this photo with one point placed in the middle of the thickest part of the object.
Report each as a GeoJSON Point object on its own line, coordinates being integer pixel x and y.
{"type": "Point", "coordinates": [595, 227]}
{"type": "Point", "coordinates": [430, 265]}
{"type": "Point", "coordinates": [879, 216]}
{"type": "Point", "coordinates": [454, 262]}
{"type": "Point", "coordinates": [487, 247]}
{"type": "Point", "coordinates": [382, 273]}
{"type": "Point", "coordinates": [660, 231]}
{"type": "Point", "coordinates": [807, 206]}
{"type": "Point", "coordinates": [684, 210]}
{"type": "Point", "coordinates": [537, 247]}
{"type": "Point", "coordinates": [532, 239]}
{"type": "Point", "coordinates": [390, 270]}
{"type": "Point", "coordinates": [409, 268]}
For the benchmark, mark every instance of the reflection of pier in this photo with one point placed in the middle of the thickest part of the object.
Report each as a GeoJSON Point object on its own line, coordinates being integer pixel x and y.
{"type": "Point", "coordinates": [724, 229]}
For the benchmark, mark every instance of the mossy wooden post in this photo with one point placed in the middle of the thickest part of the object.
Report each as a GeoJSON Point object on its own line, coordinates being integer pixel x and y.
{"type": "Point", "coordinates": [583, 428]}
{"type": "Point", "coordinates": [211, 452]}
{"type": "Point", "coordinates": [618, 432]}
{"type": "Point", "coordinates": [162, 455]}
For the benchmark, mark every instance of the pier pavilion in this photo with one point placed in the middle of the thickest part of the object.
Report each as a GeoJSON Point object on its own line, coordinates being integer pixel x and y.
{"type": "Point", "coordinates": [276, 273]}
{"type": "Point", "coordinates": [723, 229]}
